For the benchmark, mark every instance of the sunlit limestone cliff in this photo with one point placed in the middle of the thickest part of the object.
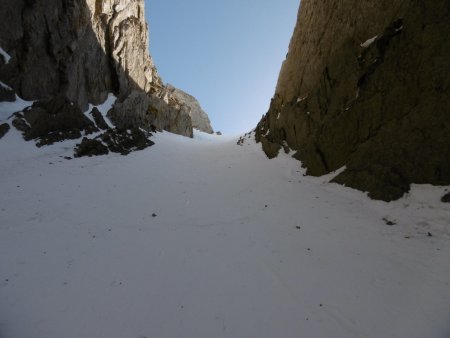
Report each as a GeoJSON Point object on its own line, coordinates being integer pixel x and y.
{"type": "Point", "coordinates": [68, 56]}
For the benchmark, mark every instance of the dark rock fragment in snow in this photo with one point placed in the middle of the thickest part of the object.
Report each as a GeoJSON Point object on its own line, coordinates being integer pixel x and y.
{"type": "Point", "coordinates": [114, 140]}
{"type": "Point", "coordinates": [4, 128]}
{"type": "Point", "coordinates": [389, 222]}
{"type": "Point", "coordinates": [446, 198]}
{"type": "Point", "coordinates": [90, 148]}
{"type": "Point", "coordinates": [98, 118]}
{"type": "Point", "coordinates": [124, 141]}
{"type": "Point", "coordinates": [20, 124]}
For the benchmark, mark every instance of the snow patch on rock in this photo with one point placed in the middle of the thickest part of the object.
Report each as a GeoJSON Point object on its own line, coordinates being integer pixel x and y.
{"type": "Point", "coordinates": [368, 42]}
{"type": "Point", "coordinates": [5, 55]}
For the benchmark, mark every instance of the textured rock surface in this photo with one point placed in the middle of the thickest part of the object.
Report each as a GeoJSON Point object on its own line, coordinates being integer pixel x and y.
{"type": "Point", "coordinates": [199, 117]}
{"type": "Point", "coordinates": [116, 140]}
{"type": "Point", "coordinates": [124, 141]}
{"type": "Point", "coordinates": [123, 33]}
{"type": "Point", "coordinates": [6, 93]}
{"type": "Point", "coordinates": [366, 85]}
{"type": "Point", "coordinates": [53, 51]}
{"type": "Point", "coordinates": [77, 48]}
{"type": "Point", "coordinates": [89, 148]}
{"type": "Point", "coordinates": [53, 120]}
{"type": "Point", "coordinates": [151, 113]}
{"type": "Point", "coordinates": [83, 50]}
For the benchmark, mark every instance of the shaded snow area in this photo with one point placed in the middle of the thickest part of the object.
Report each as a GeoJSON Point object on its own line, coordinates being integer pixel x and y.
{"type": "Point", "coordinates": [7, 109]}
{"type": "Point", "coordinates": [203, 238]}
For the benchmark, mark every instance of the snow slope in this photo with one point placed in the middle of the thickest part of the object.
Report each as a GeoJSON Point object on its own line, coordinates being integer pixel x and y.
{"type": "Point", "coordinates": [239, 246]}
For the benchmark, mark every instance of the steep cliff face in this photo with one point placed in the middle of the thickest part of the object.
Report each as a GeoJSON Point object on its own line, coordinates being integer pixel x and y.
{"type": "Point", "coordinates": [366, 85]}
{"type": "Point", "coordinates": [83, 50]}
{"type": "Point", "coordinates": [121, 29]}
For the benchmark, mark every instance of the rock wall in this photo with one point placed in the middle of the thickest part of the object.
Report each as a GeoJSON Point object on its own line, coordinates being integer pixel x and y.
{"type": "Point", "coordinates": [53, 50]}
{"type": "Point", "coordinates": [366, 85]}
{"type": "Point", "coordinates": [199, 117]}
{"type": "Point", "coordinates": [82, 50]}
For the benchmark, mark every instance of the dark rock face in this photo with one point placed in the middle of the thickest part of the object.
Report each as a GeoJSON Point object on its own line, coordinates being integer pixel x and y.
{"type": "Point", "coordinates": [366, 85]}
{"type": "Point", "coordinates": [54, 51]}
{"type": "Point", "coordinates": [4, 128]}
{"type": "Point", "coordinates": [7, 94]}
{"type": "Point", "coordinates": [53, 120]}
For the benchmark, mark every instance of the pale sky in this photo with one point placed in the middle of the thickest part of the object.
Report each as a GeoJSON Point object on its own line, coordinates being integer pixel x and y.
{"type": "Point", "coordinates": [227, 54]}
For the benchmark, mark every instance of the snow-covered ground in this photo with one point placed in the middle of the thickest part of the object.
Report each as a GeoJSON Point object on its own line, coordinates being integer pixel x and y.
{"type": "Point", "coordinates": [206, 239]}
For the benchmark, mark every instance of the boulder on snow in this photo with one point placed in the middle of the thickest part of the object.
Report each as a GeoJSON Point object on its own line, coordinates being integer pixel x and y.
{"type": "Point", "coordinates": [19, 123]}
{"type": "Point", "coordinates": [4, 128]}
{"type": "Point", "coordinates": [446, 198]}
{"type": "Point", "coordinates": [89, 147]}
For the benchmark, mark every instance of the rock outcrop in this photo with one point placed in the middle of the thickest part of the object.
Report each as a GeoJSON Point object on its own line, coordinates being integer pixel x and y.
{"type": "Point", "coordinates": [82, 50]}
{"type": "Point", "coordinates": [151, 113]}
{"type": "Point", "coordinates": [4, 128]}
{"type": "Point", "coordinates": [366, 85]}
{"type": "Point", "coordinates": [199, 117]}
{"type": "Point", "coordinates": [53, 120]}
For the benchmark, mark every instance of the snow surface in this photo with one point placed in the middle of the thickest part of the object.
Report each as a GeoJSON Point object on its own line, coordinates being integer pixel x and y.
{"type": "Point", "coordinates": [241, 246]}
{"type": "Point", "coordinates": [9, 108]}
{"type": "Point", "coordinates": [5, 55]}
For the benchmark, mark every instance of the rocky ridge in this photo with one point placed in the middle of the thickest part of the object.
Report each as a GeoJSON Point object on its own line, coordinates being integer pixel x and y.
{"type": "Point", "coordinates": [366, 85]}
{"type": "Point", "coordinates": [82, 50]}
